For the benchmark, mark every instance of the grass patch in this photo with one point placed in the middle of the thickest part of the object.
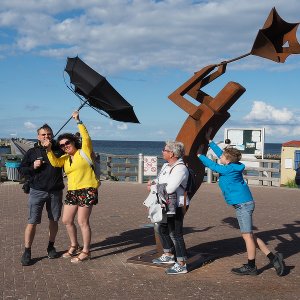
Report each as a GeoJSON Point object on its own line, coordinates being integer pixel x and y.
{"type": "Point", "coordinates": [291, 184]}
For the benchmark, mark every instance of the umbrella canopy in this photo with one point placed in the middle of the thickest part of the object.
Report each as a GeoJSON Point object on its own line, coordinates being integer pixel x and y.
{"type": "Point", "coordinates": [98, 91]}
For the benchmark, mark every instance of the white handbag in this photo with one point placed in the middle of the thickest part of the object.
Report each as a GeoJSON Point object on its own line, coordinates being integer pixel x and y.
{"type": "Point", "coordinates": [155, 210]}
{"type": "Point", "coordinates": [155, 213]}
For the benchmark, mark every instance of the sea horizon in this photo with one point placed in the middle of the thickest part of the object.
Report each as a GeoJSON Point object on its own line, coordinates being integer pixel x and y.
{"type": "Point", "coordinates": [152, 148]}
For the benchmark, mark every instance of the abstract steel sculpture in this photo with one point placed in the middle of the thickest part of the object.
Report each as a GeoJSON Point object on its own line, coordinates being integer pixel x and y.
{"type": "Point", "coordinates": [275, 41]}
{"type": "Point", "coordinates": [211, 113]}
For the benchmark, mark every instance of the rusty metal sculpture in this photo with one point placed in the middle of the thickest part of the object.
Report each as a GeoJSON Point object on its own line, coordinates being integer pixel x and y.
{"type": "Point", "coordinates": [212, 112]}
{"type": "Point", "coordinates": [271, 43]}
{"type": "Point", "coordinates": [275, 41]}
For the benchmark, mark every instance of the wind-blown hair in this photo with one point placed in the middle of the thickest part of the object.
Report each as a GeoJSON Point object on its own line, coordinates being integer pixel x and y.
{"type": "Point", "coordinates": [45, 127]}
{"type": "Point", "coordinates": [232, 154]}
{"type": "Point", "coordinates": [71, 137]}
{"type": "Point", "coordinates": [176, 147]}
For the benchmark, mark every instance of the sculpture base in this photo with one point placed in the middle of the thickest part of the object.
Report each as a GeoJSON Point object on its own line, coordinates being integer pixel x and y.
{"type": "Point", "coordinates": [195, 260]}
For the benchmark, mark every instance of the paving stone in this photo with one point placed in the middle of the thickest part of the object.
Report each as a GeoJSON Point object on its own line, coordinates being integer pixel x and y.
{"type": "Point", "coordinates": [120, 230]}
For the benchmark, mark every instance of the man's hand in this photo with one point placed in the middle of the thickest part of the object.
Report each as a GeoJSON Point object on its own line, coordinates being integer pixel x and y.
{"type": "Point", "coordinates": [47, 144]}
{"type": "Point", "coordinates": [37, 163]}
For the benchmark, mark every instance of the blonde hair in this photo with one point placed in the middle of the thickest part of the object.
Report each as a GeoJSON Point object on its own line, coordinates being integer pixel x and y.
{"type": "Point", "coordinates": [232, 154]}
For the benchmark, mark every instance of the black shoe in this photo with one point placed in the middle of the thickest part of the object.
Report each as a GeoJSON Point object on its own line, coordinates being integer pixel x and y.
{"type": "Point", "coordinates": [26, 259]}
{"type": "Point", "coordinates": [278, 264]}
{"type": "Point", "coordinates": [52, 253]}
{"type": "Point", "coordinates": [245, 270]}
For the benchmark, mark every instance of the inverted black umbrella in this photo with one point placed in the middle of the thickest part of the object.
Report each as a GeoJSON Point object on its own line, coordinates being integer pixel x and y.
{"type": "Point", "coordinates": [98, 93]}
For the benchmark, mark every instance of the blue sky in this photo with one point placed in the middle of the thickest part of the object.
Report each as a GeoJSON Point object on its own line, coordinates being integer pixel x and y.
{"type": "Point", "coordinates": [146, 49]}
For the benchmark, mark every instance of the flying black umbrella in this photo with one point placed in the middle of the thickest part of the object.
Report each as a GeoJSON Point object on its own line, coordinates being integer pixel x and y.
{"type": "Point", "coordinates": [98, 92]}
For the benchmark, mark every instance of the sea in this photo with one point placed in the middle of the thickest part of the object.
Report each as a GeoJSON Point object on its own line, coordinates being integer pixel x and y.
{"type": "Point", "coordinates": [145, 147]}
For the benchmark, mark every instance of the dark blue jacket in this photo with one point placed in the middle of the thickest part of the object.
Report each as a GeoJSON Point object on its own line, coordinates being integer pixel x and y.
{"type": "Point", "coordinates": [45, 178]}
{"type": "Point", "coordinates": [297, 177]}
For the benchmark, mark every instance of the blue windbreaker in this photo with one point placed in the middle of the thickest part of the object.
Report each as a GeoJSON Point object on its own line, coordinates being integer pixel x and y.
{"type": "Point", "coordinates": [234, 188]}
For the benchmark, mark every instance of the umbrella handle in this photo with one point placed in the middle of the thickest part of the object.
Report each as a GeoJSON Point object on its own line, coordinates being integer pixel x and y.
{"type": "Point", "coordinates": [78, 109]}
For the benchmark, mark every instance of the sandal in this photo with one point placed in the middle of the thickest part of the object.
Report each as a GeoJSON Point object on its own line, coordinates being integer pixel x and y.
{"type": "Point", "coordinates": [73, 251]}
{"type": "Point", "coordinates": [77, 259]}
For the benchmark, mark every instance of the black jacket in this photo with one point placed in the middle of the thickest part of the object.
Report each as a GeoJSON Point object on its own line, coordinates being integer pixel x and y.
{"type": "Point", "coordinates": [297, 177]}
{"type": "Point", "coordinates": [45, 178]}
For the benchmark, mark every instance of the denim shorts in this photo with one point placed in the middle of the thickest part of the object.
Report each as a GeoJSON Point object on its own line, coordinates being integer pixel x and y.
{"type": "Point", "coordinates": [36, 202]}
{"type": "Point", "coordinates": [244, 213]}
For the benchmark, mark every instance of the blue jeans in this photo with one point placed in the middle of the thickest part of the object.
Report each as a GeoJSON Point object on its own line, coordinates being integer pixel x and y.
{"type": "Point", "coordinates": [171, 235]}
{"type": "Point", "coordinates": [244, 213]}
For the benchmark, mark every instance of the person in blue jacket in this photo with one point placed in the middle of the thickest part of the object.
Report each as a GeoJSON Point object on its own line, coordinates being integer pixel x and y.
{"type": "Point", "coordinates": [237, 194]}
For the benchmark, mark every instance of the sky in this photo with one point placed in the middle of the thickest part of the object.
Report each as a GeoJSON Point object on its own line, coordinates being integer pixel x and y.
{"type": "Point", "coordinates": [146, 49]}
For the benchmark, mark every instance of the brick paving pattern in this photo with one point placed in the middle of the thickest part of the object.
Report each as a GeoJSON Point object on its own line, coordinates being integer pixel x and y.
{"type": "Point", "coordinates": [120, 231]}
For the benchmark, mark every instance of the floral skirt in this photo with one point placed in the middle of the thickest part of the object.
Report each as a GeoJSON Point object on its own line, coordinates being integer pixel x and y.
{"type": "Point", "coordinates": [83, 197]}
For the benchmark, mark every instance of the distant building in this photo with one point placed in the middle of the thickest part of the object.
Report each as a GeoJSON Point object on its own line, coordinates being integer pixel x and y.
{"type": "Point", "coordinates": [290, 160]}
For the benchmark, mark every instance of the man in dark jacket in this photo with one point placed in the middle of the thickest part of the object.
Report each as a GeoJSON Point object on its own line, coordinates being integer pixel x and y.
{"type": "Point", "coordinates": [297, 177]}
{"type": "Point", "coordinates": [46, 187]}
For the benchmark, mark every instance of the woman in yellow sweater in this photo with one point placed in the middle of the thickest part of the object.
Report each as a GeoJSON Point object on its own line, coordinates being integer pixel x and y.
{"type": "Point", "coordinates": [82, 191]}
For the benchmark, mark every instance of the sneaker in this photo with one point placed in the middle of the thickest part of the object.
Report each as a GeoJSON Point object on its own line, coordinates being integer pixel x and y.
{"type": "Point", "coordinates": [164, 259]}
{"type": "Point", "coordinates": [245, 270]}
{"type": "Point", "coordinates": [52, 253]}
{"type": "Point", "coordinates": [177, 269]}
{"type": "Point", "coordinates": [26, 259]}
{"type": "Point", "coordinates": [278, 264]}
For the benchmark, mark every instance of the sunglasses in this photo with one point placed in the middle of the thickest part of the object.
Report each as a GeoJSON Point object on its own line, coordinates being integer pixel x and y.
{"type": "Point", "coordinates": [65, 144]}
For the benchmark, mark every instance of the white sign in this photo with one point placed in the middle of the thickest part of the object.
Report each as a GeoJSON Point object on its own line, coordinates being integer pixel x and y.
{"type": "Point", "coordinates": [150, 165]}
{"type": "Point", "coordinates": [250, 141]}
{"type": "Point", "coordinates": [288, 163]}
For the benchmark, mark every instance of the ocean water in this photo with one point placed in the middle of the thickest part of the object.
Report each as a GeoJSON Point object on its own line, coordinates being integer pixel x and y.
{"type": "Point", "coordinates": [144, 147]}
{"type": "Point", "coordinates": [152, 148]}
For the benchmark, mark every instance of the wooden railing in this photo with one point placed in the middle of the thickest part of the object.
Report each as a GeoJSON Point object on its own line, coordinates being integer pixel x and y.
{"type": "Point", "coordinates": [123, 167]}
{"type": "Point", "coordinates": [130, 168]}
{"type": "Point", "coordinates": [260, 172]}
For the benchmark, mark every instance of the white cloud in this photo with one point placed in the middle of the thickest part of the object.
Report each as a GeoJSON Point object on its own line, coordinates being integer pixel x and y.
{"type": "Point", "coordinates": [160, 133]}
{"type": "Point", "coordinates": [97, 128]}
{"type": "Point", "coordinates": [283, 133]}
{"type": "Point", "coordinates": [267, 114]}
{"type": "Point", "coordinates": [122, 126]}
{"type": "Point", "coordinates": [136, 35]}
{"type": "Point", "coordinates": [29, 125]}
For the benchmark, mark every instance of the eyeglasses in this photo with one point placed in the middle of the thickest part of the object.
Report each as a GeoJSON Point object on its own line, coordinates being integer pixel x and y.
{"type": "Point", "coordinates": [65, 144]}
{"type": "Point", "coordinates": [166, 150]}
{"type": "Point", "coordinates": [46, 134]}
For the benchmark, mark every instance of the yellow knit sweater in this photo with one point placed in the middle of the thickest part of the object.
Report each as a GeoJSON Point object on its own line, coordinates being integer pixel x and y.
{"type": "Point", "coordinates": [79, 173]}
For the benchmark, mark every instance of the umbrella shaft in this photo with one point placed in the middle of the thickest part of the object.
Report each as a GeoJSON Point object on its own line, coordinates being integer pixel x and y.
{"type": "Point", "coordinates": [79, 108]}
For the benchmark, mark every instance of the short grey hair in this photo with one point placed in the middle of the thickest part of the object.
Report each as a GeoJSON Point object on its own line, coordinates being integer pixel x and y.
{"type": "Point", "coordinates": [176, 147]}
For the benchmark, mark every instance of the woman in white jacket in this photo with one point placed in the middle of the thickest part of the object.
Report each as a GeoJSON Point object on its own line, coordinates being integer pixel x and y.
{"type": "Point", "coordinates": [174, 174]}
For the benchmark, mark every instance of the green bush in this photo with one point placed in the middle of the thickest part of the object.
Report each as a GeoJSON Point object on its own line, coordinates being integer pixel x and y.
{"type": "Point", "coordinates": [291, 184]}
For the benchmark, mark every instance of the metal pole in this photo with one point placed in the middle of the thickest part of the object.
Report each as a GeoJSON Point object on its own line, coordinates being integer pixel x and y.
{"type": "Point", "coordinates": [141, 168]}
{"type": "Point", "coordinates": [78, 109]}
{"type": "Point", "coordinates": [209, 172]}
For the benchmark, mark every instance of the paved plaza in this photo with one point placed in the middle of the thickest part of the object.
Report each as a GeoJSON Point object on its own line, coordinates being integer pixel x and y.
{"type": "Point", "coordinates": [122, 231]}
